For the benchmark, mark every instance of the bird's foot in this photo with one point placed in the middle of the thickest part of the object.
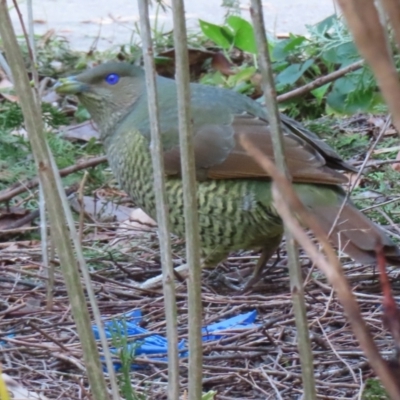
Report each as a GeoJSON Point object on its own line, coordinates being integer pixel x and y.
{"type": "Point", "coordinates": [216, 278]}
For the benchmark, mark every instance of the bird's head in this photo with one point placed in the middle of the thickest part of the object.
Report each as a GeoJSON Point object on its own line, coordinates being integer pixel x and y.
{"type": "Point", "coordinates": [108, 91]}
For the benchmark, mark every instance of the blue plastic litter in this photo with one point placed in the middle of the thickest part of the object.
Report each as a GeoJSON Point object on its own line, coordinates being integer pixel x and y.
{"type": "Point", "coordinates": [153, 344]}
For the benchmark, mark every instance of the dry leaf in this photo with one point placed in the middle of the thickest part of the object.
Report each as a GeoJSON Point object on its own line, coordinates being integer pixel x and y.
{"type": "Point", "coordinates": [196, 60]}
{"type": "Point", "coordinates": [84, 131]}
{"type": "Point", "coordinates": [101, 209]}
{"type": "Point", "coordinates": [221, 63]}
{"type": "Point", "coordinates": [138, 224]}
{"type": "Point", "coordinates": [378, 122]}
{"type": "Point", "coordinates": [352, 176]}
{"type": "Point", "coordinates": [386, 150]}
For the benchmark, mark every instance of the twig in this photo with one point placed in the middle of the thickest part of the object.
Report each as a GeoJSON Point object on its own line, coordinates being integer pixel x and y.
{"type": "Point", "coordinates": [82, 205]}
{"type": "Point", "coordinates": [8, 194]}
{"type": "Point", "coordinates": [31, 30]}
{"type": "Point", "coordinates": [161, 203]}
{"type": "Point", "coordinates": [296, 280]}
{"type": "Point", "coordinates": [35, 74]}
{"type": "Point", "coordinates": [321, 81]}
{"type": "Point", "coordinates": [190, 201]}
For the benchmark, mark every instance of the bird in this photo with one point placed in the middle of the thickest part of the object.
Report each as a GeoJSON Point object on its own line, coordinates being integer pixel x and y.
{"type": "Point", "coordinates": [235, 204]}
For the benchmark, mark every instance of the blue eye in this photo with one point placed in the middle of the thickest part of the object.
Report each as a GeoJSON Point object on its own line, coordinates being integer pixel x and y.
{"type": "Point", "coordinates": [112, 79]}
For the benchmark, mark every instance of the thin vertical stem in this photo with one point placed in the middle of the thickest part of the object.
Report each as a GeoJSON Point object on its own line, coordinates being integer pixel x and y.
{"type": "Point", "coordinates": [31, 30]}
{"type": "Point", "coordinates": [296, 281]}
{"type": "Point", "coordinates": [190, 200]}
{"type": "Point", "coordinates": [162, 206]}
{"type": "Point", "coordinates": [34, 126]}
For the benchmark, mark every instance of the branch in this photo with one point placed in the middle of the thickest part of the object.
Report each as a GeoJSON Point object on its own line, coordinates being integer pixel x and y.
{"type": "Point", "coordinates": [321, 81]}
{"type": "Point", "coordinates": [8, 194]}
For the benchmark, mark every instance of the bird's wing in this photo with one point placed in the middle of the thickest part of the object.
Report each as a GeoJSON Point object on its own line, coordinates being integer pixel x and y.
{"type": "Point", "coordinates": [219, 155]}
{"type": "Point", "coordinates": [332, 158]}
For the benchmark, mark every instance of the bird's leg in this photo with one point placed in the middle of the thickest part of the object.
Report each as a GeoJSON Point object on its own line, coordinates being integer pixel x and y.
{"type": "Point", "coordinates": [255, 276]}
{"type": "Point", "coordinates": [266, 254]}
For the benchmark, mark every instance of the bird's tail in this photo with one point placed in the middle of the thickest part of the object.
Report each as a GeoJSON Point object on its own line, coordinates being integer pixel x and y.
{"type": "Point", "coordinates": [354, 233]}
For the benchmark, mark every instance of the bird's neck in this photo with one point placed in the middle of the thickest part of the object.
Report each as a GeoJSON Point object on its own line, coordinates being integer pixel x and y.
{"type": "Point", "coordinates": [106, 116]}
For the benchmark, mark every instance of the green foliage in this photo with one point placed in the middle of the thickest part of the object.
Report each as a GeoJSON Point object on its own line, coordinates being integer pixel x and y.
{"type": "Point", "coordinates": [209, 395]}
{"type": "Point", "coordinates": [16, 160]}
{"type": "Point", "coordinates": [236, 33]}
{"type": "Point", "coordinates": [11, 116]}
{"type": "Point", "coordinates": [292, 73]}
{"type": "Point", "coordinates": [374, 391]}
{"type": "Point", "coordinates": [126, 354]}
{"type": "Point", "coordinates": [239, 82]}
{"type": "Point", "coordinates": [299, 60]}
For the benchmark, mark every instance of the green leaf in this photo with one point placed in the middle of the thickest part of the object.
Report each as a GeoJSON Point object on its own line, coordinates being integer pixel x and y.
{"type": "Point", "coordinates": [341, 103]}
{"type": "Point", "coordinates": [209, 395]}
{"type": "Point", "coordinates": [320, 92]}
{"type": "Point", "coordinates": [326, 24]}
{"type": "Point", "coordinates": [342, 54]}
{"type": "Point", "coordinates": [284, 48]}
{"type": "Point", "coordinates": [279, 52]}
{"type": "Point", "coordinates": [293, 42]}
{"type": "Point", "coordinates": [81, 114]}
{"type": "Point", "coordinates": [218, 34]}
{"type": "Point", "coordinates": [244, 75]}
{"type": "Point", "coordinates": [213, 79]}
{"type": "Point", "coordinates": [291, 74]}
{"type": "Point", "coordinates": [346, 84]}
{"type": "Point", "coordinates": [243, 38]}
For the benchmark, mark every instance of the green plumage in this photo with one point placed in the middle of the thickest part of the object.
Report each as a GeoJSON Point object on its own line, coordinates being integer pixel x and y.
{"type": "Point", "coordinates": [233, 214]}
{"type": "Point", "coordinates": [234, 193]}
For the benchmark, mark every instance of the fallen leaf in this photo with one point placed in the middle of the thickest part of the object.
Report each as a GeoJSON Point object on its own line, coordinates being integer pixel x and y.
{"type": "Point", "coordinates": [352, 179]}
{"type": "Point", "coordinates": [138, 224]}
{"type": "Point", "coordinates": [165, 65]}
{"type": "Point", "coordinates": [84, 132]}
{"type": "Point", "coordinates": [386, 150]}
{"type": "Point", "coordinates": [378, 122]}
{"type": "Point", "coordinates": [390, 132]}
{"type": "Point", "coordinates": [101, 209]}
{"type": "Point", "coordinates": [221, 63]}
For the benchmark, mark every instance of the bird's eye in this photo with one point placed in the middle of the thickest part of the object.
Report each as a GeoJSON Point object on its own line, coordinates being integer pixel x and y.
{"type": "Point", "coordinates": [112, 79]}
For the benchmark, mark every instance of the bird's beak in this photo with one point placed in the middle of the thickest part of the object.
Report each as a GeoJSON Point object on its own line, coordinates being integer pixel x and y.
{"type": "Point", "coordinates": [70, 85]}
